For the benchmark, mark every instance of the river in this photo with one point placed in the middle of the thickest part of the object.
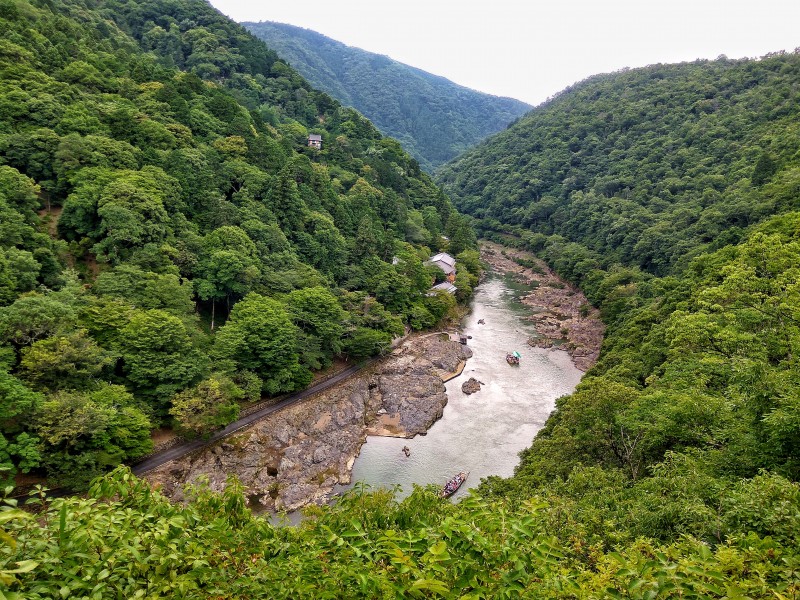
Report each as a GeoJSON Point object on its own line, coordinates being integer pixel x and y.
{"type": "Point", "coordinates": [481, 433]}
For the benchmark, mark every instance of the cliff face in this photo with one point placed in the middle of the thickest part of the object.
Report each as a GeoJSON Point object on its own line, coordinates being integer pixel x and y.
{"type": "Point", "coordinates": [298, 455]}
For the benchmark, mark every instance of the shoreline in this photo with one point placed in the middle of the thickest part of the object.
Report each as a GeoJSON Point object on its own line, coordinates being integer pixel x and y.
{"type": "Point", "coordinates": [299, 455]}
{"type": "Point", "coordinates": [564, 319]}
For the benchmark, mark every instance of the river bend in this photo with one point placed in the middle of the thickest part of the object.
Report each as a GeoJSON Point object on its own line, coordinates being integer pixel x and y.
{"type": "Point", "coordinates": [482, 433]}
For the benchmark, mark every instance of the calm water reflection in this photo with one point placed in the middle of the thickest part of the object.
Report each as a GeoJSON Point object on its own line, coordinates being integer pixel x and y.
{"type": "Point", "coordinates": [483, 432]}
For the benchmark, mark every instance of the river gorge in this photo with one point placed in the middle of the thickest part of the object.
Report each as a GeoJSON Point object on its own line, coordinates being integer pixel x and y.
{"type": "Point", "coordinates": [310, 451]}
{"type": "Point", "coordinates": [481, 432]}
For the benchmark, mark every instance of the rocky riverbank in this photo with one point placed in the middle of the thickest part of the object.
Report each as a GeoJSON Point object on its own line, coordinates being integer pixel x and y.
{"type": "Point", "coordinates": [296, 456]}
{"type": "Point", "coordinates": [563, 317]}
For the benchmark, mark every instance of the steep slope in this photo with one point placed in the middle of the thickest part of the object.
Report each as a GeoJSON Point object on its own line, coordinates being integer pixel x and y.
{"type": "Point", "coordinates": [433, 118]}
{"type": "Point", "coordinates": [186, 183]}
{"type": "Point", "coordinates": [671, 196]}
{"type": "Point", "coordinates": [647, 167]}
{"type": "Point", "coordinates": [170, 244]}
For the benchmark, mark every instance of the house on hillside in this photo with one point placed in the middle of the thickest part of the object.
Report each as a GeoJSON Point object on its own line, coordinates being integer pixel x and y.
{"type": "Point", "coordinates": [445, 286]}
{"type": "Point", "coordinates": [315, 141]}
{"type": "Point", "coordinates": [446, 263]}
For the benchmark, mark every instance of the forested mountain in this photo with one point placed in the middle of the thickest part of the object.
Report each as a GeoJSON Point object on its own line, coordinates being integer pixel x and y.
{"type": "Point", "coordinates": [671, 196]}
{"type": "Point", "coordinates": [433, 118]}
{"type": "Point", "coordinates": [646, 167]}
{"type": "Point", "coordinates": [155, 172]}
{"type": "Point", "coordinates": [170, 245]}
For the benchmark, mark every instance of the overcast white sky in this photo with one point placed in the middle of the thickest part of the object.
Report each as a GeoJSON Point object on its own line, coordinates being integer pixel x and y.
{"type": "Point", "coordinates": [532, 49]}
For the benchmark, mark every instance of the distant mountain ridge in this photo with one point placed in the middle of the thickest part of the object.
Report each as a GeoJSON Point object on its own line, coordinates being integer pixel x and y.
{"type": "Point", "coordinates": [647, 167]}
{"type": "Point", "coordinates": [433, 118]}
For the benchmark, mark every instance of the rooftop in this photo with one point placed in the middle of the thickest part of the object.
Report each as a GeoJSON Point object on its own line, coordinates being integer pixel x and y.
{"type": "Point", "coordinates": [443, 257]}
{"type": "Point", "coordinates": [445, 286]}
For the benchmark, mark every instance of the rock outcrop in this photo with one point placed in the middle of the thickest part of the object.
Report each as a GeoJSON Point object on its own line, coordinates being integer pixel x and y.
{"type": "Point", "coordinates": [288, 459]}
{"type": "Point", "coordinates": [411, 385]}
{"type": "Point", "coordinates": [565, 319]}
{"type": "Point", "coordinates": [299, 454]}
{"type": "Point", "coordinates": [471, 385]}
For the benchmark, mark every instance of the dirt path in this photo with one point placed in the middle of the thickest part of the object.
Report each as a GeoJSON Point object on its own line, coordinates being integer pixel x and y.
{"type": "Point", "coordinates": [50, 219]}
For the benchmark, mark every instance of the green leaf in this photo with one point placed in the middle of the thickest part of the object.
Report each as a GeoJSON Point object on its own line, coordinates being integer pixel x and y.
{"type": "Point", "coordinates": [24, 566]}
{"type": "Point", "coordinates": [438, 549]}
{"type": "Point", "coordinates": [433, 585]}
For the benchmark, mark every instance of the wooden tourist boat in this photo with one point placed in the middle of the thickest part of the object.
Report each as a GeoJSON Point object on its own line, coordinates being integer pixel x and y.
{"type": "Point", "coordinates": [451, 487]}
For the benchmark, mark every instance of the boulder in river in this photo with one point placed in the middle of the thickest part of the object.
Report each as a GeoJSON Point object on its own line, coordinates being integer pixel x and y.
{"type": "Point", "coordinates": [471, 386]}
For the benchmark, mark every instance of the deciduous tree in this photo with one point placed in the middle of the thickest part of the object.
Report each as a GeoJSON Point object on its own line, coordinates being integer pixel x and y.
{"type": "Point", "coordinates": [260, 337]}
{"type": "Point", "coordinates": [211, 404]}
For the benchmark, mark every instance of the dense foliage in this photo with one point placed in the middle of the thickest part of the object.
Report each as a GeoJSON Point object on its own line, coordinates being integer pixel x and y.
{"type": "Point", "coordinates": [169, 244]}
{"type": "Point", "coordinates": [125, 541]}
{"type": "Point", "coordinates": [434, 119]}
{"type": "Point", "coordinates": [154, 160]}
{"type": "Point", "coordinates": [669, 195]}
{"type": "Point", "coordinates": [647, 167]}
{"type": "Point", "coordinates": [696, 389]}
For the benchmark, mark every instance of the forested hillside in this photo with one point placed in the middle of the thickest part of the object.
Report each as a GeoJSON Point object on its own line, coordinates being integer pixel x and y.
{"type": "Point", "coordinates": [647, 167]}
{"type": "Point", "coordinates": [170, 246]}
{"type": "Point", "coordinates": [155, 180]}
{"type": "Point", "coordinates": [433, 118]}
{"type": "Point", "coordinates": [670, 195]}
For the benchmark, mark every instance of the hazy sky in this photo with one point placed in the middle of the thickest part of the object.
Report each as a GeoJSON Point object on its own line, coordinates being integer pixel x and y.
{"type": "Point", "coordinates": [531, 50]}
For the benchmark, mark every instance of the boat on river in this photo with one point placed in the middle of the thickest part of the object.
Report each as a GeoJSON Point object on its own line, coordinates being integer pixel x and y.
{"type": "Point", "coordinates": [513, 358]}
{"type": "Point", "coordinates": [451, 487]}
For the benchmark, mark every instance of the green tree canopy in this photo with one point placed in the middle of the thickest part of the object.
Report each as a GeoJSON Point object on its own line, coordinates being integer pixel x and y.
{"type": "Point", "coordinates": [84, 434]}
{"type": "Point", "coordinates": [260, 337]}
{"type": "Point", "coordinates": [209, 405]}
{"type": "Point", "coordinates": [320, 321]}
{"type": "Point", "coordinates": [69, 362]}
{"type": "Point", "coordinates": [158, 358]}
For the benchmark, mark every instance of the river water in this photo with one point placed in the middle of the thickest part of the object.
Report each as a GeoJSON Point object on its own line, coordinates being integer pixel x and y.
{"type": "Point", "coordinates": [481, 433]}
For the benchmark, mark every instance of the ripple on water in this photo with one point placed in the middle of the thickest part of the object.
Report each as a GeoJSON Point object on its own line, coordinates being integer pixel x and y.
{"type": "Point", "coordinates": [482, 433]}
